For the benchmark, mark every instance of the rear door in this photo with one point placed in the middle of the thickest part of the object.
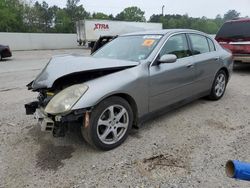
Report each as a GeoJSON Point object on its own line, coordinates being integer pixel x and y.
{"type": "Point", "coordinates": [172, 82]}
{"type": "Point", "coordinates": [206, 60]}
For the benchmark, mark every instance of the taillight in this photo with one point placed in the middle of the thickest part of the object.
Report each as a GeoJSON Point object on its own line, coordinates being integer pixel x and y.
{"type": "Point", "coordinates": [246, 48]}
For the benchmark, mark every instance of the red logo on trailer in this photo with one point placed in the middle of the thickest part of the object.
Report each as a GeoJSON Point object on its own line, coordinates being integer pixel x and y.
{"type": "Point", "coordinates": [101, 26]}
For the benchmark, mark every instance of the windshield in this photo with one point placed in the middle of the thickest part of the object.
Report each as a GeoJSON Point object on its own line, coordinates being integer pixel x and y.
{"type": "Point", "coordinates": [131, 48]}
{"type": "Point", "coordinates": [234, 31]}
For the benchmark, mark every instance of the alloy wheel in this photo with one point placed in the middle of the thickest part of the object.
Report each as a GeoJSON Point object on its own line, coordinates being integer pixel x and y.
{"type": "Point", "coordinates": [220, 85]}
{"type": "Point", "coordinates": [112, 124]}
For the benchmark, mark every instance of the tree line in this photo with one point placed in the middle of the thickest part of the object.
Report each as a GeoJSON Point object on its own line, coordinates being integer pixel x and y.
{"type": "Point", "coordinates": [20, 16]}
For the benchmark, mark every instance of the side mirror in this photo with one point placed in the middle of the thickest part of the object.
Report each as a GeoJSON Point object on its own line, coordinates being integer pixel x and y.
{"type": "Point", "coordinates": [168, 58]}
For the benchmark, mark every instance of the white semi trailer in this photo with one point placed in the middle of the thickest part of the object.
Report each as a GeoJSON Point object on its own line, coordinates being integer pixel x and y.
{"type": "Point", "coordinates": [89, 31]}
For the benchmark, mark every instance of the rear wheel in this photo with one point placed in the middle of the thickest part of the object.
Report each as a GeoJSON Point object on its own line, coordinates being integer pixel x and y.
{"type": "Point", "coordinates": [110, 123]}
{"type": "Point", "coordinates": [219, 85]}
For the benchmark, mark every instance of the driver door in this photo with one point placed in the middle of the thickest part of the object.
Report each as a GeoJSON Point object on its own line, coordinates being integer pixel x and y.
{"type": "Point", "coordinates": [172, 82]}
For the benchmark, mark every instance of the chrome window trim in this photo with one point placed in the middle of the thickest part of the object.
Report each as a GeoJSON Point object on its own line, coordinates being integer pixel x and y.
{"type": "Point", "coordinates": [171, 35]}
{"type": "Point", "coordinates": [206, 38]}
{"type": "Point", "coordinates": [212, 43]}
{"type": "Point", "coordinates": [184, 32]}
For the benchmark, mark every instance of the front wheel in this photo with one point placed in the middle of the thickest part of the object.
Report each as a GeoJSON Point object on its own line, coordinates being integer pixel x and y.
{"type": "Point", "coordinates": [219, 85]}
{"type": "Point", "coordinates": [110, 123]}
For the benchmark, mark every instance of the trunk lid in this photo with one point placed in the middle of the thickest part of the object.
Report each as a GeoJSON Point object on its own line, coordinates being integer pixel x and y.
{"type": "Point", "coordinates": [235, 36]}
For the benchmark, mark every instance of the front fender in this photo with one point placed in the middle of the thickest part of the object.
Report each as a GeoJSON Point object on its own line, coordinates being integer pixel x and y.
{"type": "Point", "coordinates": [132, 82]}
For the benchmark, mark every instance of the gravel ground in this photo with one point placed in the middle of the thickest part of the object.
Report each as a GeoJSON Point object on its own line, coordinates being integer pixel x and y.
{"type": "Point", "coordinates": [187, 147]}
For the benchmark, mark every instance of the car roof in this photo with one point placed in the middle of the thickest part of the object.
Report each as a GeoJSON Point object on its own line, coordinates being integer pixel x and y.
{"type": "Point", "coordinates": [162, 32]}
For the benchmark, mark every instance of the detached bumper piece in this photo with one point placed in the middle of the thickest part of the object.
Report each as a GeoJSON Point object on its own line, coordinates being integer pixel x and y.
{"type": "Point", "coordinates": [57, 125]}
{"type": "Point", "coordinates": [31, 107]}
{"type": "Point", "coordinates": [49, 125]}
{"type": "Point", "coordinates": [46, 123]}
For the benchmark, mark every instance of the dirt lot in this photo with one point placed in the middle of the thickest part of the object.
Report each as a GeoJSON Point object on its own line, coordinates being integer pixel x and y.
{"type": "Point", "coordinates": [187, 147]}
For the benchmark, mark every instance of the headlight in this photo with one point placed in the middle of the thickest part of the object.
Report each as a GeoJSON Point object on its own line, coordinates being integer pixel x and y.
{"type": "Point", "coordinates": [66, 99]}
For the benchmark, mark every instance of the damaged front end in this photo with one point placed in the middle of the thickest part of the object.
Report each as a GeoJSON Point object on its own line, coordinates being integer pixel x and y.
{"type": "Point", "coordinates": [60, 85]}
{"type": "Point", "coordinates": [52, 118]}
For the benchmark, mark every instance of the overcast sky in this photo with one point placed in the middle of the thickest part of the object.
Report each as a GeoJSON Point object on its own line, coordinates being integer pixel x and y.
{"type": "Point", "coordinates": [194, 8]}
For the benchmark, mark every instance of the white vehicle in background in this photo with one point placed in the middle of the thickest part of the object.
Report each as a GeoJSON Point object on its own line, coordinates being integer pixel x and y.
{"type": "Point", "coordinates": [89, 31]}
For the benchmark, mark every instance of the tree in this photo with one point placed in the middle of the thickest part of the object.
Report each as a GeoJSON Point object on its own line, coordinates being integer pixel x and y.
{"type": "Point", "coordinates": [100, 16]}
{"type": "Point", "coordinates": [219, 21]}
{"type": "Point", "coordinates": [38, 17]}
{"type": "Point", "coordinates": [63, 23]}
{"type": "Point", "coordinates": [111, 17]}
{"type": "Point", "coordinates": [44, 16]}
{"type": "Point", "coordinates": [231, 14]}
{"type": "Point", "coordinates": [184, 21]}
{"type": "Point", "coordinates": [75, 13]}
{"type": "Point", "coordinates": [11, 16]}
{"type": "Point", "coordinates": [20, 16]}
{"type": "Point", "coordinates": [131, 14]}
{"type": "Point", "coordinates": [218, 17]}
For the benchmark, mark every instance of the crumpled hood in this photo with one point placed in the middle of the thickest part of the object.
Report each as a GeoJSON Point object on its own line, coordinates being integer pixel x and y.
{"type": "Point", "coordinates": [60, 66]}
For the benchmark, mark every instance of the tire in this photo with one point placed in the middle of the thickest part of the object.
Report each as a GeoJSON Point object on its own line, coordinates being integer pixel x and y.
{"type": "Point", "coordinates": [219, 86]}
{"type": "Point", "coordinates": [109, 124]}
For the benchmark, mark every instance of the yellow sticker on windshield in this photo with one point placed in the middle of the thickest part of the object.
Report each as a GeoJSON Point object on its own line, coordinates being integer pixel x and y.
{"type": "Point", "coordinates": [148, 42]}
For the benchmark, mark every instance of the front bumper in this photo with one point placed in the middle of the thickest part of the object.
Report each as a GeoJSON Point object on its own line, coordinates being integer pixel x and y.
{"type": "Point", "coordinates": [6, 53]}
{"type": "Point", "coordinates": [57, 124]}
{"type": "Point", "coordinates": [46, 123]}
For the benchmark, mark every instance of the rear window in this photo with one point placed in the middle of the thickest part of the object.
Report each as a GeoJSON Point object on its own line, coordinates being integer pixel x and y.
{"type": "Point", "coordinates": [211, 45]}
{"type": "Point", "coordinates": [234, 30]}
{"type": "Point", "coordinates": [199, 44]}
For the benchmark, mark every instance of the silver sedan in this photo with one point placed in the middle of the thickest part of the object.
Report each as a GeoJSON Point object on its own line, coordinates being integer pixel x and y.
{"type": "Point", "coordinates": [127, 81]}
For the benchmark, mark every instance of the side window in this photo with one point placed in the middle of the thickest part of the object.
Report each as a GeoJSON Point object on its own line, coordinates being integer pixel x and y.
{"type": "Point", "coordinates": [211, 45]}
{"type": "Point", "coordinates": [199, 44]}
{"type": "Point", "coordinates": [176, 45]}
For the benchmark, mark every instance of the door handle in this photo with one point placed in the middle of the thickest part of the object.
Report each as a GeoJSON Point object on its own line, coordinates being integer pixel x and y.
{"type": "Point", "coordinates": [190, 65]}
{"type": "Point", "coordinates": [216, 59]}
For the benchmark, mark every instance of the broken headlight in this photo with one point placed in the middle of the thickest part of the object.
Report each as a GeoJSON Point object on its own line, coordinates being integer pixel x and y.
{"type": "Point", "coordinates": [66, 99]}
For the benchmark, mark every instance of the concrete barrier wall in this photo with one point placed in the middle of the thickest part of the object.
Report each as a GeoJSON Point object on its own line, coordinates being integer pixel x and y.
{"type": "Point", "coordinates": [38, 41]}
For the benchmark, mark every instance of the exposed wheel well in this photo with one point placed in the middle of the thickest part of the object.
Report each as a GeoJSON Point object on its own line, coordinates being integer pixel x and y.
{"type": "Point", "coordinates": [226, 71]}
{"type": "Point", "coordinates": [133, 105]}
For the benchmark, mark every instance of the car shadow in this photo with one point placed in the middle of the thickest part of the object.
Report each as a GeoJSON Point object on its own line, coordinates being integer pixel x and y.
{"type": "Point", "coordinates": [52, 151]}
{"type": "Point", "coordinates": [148, 124]}
{"type": "Point", "coordinates": [5, 60]}
{"type": "Point", "coordinates": [242, 68]}
{"type": "Point", "coordinates": [73, 137]}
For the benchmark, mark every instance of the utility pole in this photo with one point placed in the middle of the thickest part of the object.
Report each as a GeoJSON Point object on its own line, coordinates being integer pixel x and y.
{"type": "Point", "coordinates": [163, 10]}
